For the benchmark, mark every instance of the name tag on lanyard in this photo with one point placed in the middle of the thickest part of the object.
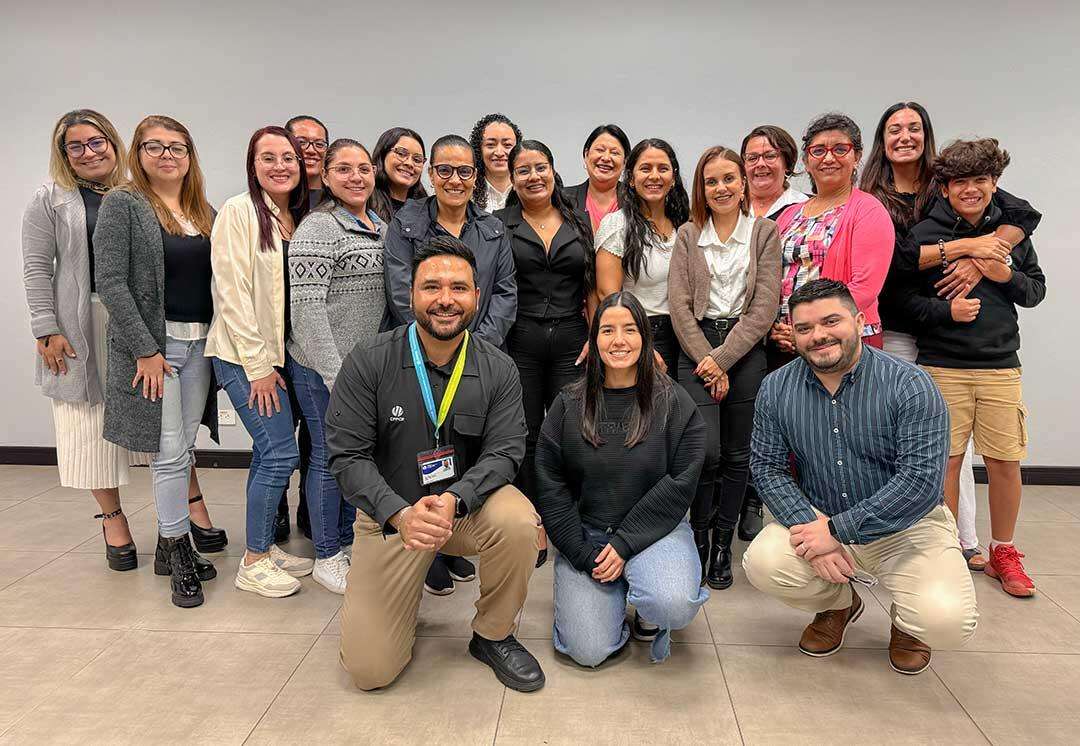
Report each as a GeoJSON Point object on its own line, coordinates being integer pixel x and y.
{"type": "Point", "coordinates": [438, 464]}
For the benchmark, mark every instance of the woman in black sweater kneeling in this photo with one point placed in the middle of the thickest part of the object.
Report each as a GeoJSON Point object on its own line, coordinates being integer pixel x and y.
{"type": "Point", "coordinates": [617, 464]}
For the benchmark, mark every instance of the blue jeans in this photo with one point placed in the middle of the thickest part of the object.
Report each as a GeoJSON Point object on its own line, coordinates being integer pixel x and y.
{"type": "Point", "coordinates": [183, 402]}
{"type": "Point", "coordinates": [662, 582]}
{"type": "Point", "coordinates": [329, 515]}
{"type": "Point", "coordinates": [274, 454]}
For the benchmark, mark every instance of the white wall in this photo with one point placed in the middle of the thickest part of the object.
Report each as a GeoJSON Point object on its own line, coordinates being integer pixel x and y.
{"type": "Point", "coordinates": [695, 73]}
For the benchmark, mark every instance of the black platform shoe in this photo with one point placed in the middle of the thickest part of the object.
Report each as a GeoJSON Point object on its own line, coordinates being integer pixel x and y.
{"type": "Point", "coordinates": [204, 568]}
{"type": "Point", "coordinates": [186, 588]}
{"type": "Point", "coordinates": [207, 540]}
{"type": "Point", "coordinates": [720, 576]}
{"type": "Point", "coordinates": [701, 541]}
{"type": "Point", "coordinates": [752, 517]}
{"type": "Point", "coordinates": [118, 558]}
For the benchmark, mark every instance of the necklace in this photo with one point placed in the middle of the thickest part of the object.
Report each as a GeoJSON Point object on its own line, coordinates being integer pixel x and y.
{"type": "Point", "coordinates": [93, 186]}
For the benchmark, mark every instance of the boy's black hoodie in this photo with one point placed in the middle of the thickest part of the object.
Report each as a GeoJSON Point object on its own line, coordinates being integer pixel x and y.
{"type": "Point", "coordinates": [992, 339]}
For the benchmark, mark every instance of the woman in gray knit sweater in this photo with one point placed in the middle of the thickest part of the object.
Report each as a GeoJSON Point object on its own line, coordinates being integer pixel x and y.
{"type": "Point", "coordinates": [337, 301]}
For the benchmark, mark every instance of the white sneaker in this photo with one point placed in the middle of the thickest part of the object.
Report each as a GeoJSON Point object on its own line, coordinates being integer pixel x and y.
{"type": "Point", "coordinates": [332, 572]}
{"type": "Point", "coordinates": [265, 579]}
{"type": "Point", "coordinates": [298, 567]}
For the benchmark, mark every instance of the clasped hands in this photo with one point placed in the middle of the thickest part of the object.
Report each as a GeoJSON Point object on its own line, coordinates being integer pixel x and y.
{"type": "Point", "coordinates": [713, 376]}
{"type": "Point", "coordinates": [813, 542]}
{"type": "Point", "coordinates": [427, 524]}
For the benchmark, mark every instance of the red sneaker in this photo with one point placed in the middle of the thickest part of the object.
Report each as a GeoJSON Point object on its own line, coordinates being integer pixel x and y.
{"type": "Point", "coordinates": [1005, 566]}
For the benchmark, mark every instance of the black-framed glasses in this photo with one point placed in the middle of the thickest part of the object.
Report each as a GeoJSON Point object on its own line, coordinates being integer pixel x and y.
{"type": "Point", "coordinates": [96, 145]}
{"type": "Point", "coordinates": [156, 149]}
{"type": "Point", "coordinates": [769, 156]}
{"type": "Point", "coordinates": [445, 171]}
{"type": "Point", "coordinates": [839, 150]}
{"type": "Point", "coordinates": [344, 171]}
{"type": "Point", "coordinates": [318, 146]}
{"type": "Point", "coordinates": [405, 155]}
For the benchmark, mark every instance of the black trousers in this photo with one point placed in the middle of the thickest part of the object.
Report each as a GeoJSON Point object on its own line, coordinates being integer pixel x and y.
{"type": "Point", "coordinates": [666, 343]}
{"type": "Point", "coordinates": [729, 424]}
{"type": "Point", "coordinates": [545, 351]}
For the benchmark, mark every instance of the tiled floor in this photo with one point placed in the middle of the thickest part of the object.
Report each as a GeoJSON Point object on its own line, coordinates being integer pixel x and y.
{"type": "Point", "coordinates": [92, 656]}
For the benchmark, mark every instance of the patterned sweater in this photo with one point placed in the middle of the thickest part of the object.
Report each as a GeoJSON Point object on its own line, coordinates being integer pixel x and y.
{"type": "Point", "coordinates": [336, 286]}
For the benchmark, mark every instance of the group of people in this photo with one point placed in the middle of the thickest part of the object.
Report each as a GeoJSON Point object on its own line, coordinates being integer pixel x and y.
{"type": "Point", "coordinates": [624, 370]}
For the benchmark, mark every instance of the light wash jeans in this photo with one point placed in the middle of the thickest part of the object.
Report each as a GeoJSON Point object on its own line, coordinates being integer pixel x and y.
{"type": "Point", "coordinates": [905, 347]}
{"type": "Point", "coordinates": [183, 402]}
{"type": "Point", "coordinates": [663, 582]}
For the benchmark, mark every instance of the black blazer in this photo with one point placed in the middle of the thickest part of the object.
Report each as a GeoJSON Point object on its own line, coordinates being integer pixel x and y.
{"type": "Point", "coordinates": [576, 195]}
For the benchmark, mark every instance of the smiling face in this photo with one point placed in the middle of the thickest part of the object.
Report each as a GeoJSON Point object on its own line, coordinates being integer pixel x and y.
{"type": "Point", "coordinates": [453, 191]}
{"type": "Point", "coordinates": [310, 132]}
{"type": "Point", "coordinates": [970, 196]}
{"type": "Point", "coordinates": [724, 186]}
{"type": "Point", "coordinates": [653, 176]}
{"type": "Point", "coordinates": [768, 170]}
{"type": "Point", "coordinates": [827, 334]}
{"type": "Point", "coordinates": [618, 339]}
{"type": "Point", "coordinates": [831, 173]}
{"type": "Point", "coordinates": [495, 146]}
{"type": "Point", "coordinates": [350, 177]}
{"type": "Point", "coordinates": [533, 178]}
{"type": "Point", "coordinates": [904, 137]}
{"type": "Point", "coordinates": [90, 164]}
{"type": "Point", "coordinates": [404, 163]}
{"type": "Point", "coordinates": [604, 161]}
{"type": "Point", "coordinates": [276, 165]}
{"type": "Point", "coordinates": [444, 296]}
{"type": "Point", "coordinates": [167, 167]}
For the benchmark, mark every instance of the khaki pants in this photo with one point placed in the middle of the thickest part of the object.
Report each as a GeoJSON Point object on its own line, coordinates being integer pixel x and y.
{"type": "Point", "coordinates": [378, 620]}
{"type": "Point", "coordinates": [921, 567]}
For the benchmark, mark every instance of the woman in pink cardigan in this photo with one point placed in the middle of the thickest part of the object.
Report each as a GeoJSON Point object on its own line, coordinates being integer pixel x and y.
{"type": "Point", "coordinates": [841, 233]}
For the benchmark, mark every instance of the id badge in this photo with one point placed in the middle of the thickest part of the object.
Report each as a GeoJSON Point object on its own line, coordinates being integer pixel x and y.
{"type": "Point", "coordinates": [436, 465]}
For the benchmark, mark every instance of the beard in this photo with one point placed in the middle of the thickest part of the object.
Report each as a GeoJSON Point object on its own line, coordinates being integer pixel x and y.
{"type": "Point", "coordinates": [838, 357]}
{"type": "Point", "coordinates": [442, 331]}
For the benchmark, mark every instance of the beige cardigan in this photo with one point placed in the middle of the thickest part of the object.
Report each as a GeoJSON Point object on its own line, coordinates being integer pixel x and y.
{"type": "Point", "coordinates": [688, 294]}
{"type": "Point", "coordinates": [248, 289]}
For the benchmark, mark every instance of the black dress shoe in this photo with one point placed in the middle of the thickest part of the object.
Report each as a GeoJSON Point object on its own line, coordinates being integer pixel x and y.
{"type": "Point", "coordinates": [513, 665]}
{"type": "Point", "coordinates": [186, 588]}
{"type": "Point", "coordinates": [207, 540]}
{"type": "Point", "coordinates": [460, 568]}
{"type": "Point", "coordinates": [438, 581]}
{"type": "Point", "coordinates": [204, 568]}
{"type": "Point", "coordinates": [541, 557]}
{"type": "Point", "coordinates": [303, 518]}
{"type": "Point", "coordinates": [752, 517]}
{"type": "Point", "coordinates": [720, 576]}
{"type": "Point", "coordinates": [282, 529]}
{"type": "Point", "coordinates": [641, 630]}
{"type": "Point", "coordinates": [118, 558]}
{"type": "Point", "coordinates": [701, 542]}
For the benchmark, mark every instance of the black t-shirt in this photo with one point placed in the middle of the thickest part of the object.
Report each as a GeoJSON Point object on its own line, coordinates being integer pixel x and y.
{"type": "Point", "coordinates": [288, 296]}
{"type": "Point", "coordinates": [396, 204]}
{"type": "Point", "coordinates": [187, 278]}
{"type": "Point", "coordinates": [314, 198]}
{"type": "Point", "coordinates": [92, 203]}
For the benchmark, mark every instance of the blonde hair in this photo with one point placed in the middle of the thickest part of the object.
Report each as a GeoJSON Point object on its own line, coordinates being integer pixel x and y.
{"type": "Point", "coordinates": [192, 193]}
{"type": "Point", "coordinates": [60, 170]}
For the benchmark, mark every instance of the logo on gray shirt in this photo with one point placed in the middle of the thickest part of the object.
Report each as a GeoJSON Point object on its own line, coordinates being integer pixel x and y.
{"type": "Point", "coordinates": [397, 414]}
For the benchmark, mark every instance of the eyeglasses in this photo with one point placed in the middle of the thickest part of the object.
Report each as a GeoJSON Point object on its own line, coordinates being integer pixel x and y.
{"type": "Point", "coordinates": [839, 150]}
{"type": "Point", "coordinates": [768, 156]}
{"type": "Point", "coordinates": [155, 149]}
{"type": "Point", "coordinates": [343, 171]}
{"type": "Point", "coordinates": [541, 169]}
{"type": "Point", "coordinates": [445, 171]}
{"type": "Point", "coordinates": [270, 160]}
{"type": "Point", "coordinates": [96, 144]}
{"type": "Point", "coordinates": [317, 145]}
{"type": "Point", "coordinates": [405, 155]}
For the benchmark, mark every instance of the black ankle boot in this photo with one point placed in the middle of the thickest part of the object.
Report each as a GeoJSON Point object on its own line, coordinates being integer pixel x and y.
{"type": "Point", "coordinates": [720, 576]}
{"type": "Point", "coordinates": [207, 539]}
{"type": "Point", "coordinates": [186, 588]}
{"type": "Point", "coordinates": [204, 568]}
{"type": "Point", "coordinates": [701, 541]}
{"type": "Point", "coordinates": [282, 529]}
{"type": "Point", "coordinates": [118, 558]}
{"type": "Point", "coordinates": [752, 518]}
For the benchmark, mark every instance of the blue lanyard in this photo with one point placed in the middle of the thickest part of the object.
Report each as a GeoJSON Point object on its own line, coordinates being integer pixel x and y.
{"type": "Point", "coordinates": [437, 418]}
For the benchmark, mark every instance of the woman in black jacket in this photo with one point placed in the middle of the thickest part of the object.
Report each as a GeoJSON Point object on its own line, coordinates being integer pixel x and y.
{"type": "Point", "coordinates": [605, 152]}
{"type": "Point", "coordinates": [617, 463]}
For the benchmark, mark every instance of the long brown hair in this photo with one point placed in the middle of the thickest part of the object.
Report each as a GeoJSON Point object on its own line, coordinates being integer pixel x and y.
{"type": "Point", "coordinates": [298, 197]}
{"type": "Point", "coordinates": [60, 169]}
{"type": "Point", "coordinates": [192, 192]}
{"type": "Point", "coordinates": [877, 178]}
{"type": "Point", "coordinates": [699, 205]}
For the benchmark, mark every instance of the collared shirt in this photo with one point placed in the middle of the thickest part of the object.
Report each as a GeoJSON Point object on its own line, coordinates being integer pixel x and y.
{"type": "Point", "coordinates": [790, 196]}
{"type": "Point", "coordinates": [728, 263]}
{"type": "Point", "coordinates": [651, 284]}
{"type": "Point", "coordinates": [871, 456]}
{"type": "Point", "coordinates": [376, 425]}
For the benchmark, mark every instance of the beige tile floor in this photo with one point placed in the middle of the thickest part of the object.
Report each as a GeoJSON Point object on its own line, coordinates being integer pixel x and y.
{"type": "Point", "coordinates": [92, 656]}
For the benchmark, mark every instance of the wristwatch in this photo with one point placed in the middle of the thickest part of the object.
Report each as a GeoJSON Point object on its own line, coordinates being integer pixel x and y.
{"type": "Point", "coordinates": [460, 508]}
{"type": "Point", "coordinates": [832, 530]}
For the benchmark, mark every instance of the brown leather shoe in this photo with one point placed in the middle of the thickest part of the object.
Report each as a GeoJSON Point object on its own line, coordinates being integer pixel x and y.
{"type": "Point", "coordinates": [825, 634]}
{"type": "Point", "coordinates": [907, 655]}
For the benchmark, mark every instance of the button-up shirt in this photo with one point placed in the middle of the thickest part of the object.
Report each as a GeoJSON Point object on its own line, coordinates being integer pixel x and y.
{"type": "Point", "coordinates": [728, 262]}
{"type": "Point", "coordinates": [871, 456]}
{"type": "Point", "coordinates": [376, 425]}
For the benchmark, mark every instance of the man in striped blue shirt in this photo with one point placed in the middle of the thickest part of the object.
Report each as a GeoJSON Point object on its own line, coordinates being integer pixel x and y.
{"type": "Point", "coordinates": [870, 438]}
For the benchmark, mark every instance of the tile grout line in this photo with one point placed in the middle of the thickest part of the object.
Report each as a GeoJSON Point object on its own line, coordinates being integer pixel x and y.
{"type": "Point", "coordinates": [289, 678]}
{"type": "Point", "coordinates": [727, 688]}
{"type": "Point", "coordinates": [961, 705]}
{"type": "Point", "coordinates": [498, 718]}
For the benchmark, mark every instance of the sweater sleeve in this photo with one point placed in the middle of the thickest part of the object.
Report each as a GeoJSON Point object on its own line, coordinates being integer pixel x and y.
{"type": "Point", "coordinates": [872, 241]}
{"type": "Point", "coordinates": [554, 500]}
{"type": "Point", "coordinates": [39, 263]}
{"type": "Point", "coordinates": [681, 299]}
{"type": "Point", "coordinates": [1017, 212]}
{"type": "Point", "coordinates": [660, 509]}
{"type": "Point", "coordinates": [311, 266]}
{"type": "Point", "coordinates": [761, 313]}
{"type": "Point", "coordinates": [1027, 285]}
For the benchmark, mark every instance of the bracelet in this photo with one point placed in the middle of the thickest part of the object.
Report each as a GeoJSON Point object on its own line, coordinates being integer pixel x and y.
{"type": "Point", "coordinates": [941, 250]}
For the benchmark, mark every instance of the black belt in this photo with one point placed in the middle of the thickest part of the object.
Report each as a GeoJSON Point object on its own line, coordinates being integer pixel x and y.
{"type": "Point", "coordinates": [720, 325]}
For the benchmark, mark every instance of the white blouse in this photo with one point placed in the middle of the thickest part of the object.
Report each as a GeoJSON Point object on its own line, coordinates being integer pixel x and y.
{"type": "Point", "coordinates": [496, 200]}
{"type": "Point", "coordinates": [728, 262]}
{"type": "Point", "coordinates": [791, 196]}
{"type": "Point", "coordinates": [651, 287]}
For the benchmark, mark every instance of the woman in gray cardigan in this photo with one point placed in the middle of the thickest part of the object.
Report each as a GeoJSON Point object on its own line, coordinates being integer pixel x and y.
{"type": "Point", "coordinates": [153, 273]}
{"type": "Point", "coordinates": [723, 287]}
{"type": "Point", "coordinates": [337, 300]}
{"type": "Point", "coordinates": [68, 318]}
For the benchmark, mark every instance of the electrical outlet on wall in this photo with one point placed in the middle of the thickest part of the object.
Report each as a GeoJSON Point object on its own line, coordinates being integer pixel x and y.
{"type": "Point", "coordinates": [226, 416]}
